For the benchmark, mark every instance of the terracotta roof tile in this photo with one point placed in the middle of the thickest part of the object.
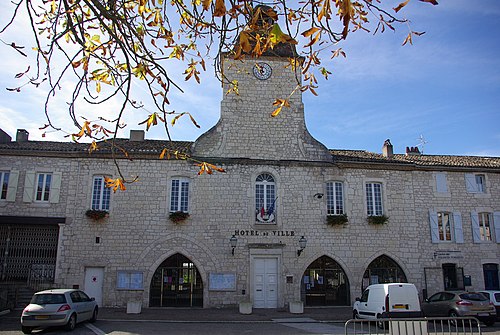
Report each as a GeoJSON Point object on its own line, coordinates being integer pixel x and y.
{"type": "Point", "coordinates": [155, 147]}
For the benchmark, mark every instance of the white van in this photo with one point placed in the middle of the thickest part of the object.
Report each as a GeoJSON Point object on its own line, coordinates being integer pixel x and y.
{"type": "Point", "coordinates": [394, 300]}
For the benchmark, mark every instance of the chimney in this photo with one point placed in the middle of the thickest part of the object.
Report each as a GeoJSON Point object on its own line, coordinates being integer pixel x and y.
{"type": "Point", "coordinates": [22, 135]}
{"type": "Point", "coordinates": [137, 135]}
{"type": "Point", "coordinates": [412, 151]}
{"type": "Point", "coordinates": [4, 137]}
{"type": "Point", "coordinates": [387, 149]}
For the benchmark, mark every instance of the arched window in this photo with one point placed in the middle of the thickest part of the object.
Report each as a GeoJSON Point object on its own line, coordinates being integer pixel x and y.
{"type": "Point", "coordinates": [325, 283]}
{"type": "Point", "coordinates": [265, 198]}
{"type": "Point", "coordinates": [381, 270]}
{"type": "Point", "coordinates": [176, 283]}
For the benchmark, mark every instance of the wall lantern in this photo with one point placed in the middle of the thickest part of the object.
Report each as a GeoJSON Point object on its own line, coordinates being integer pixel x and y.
{"type": "Point", "coordinates": [302, 245]}
{"type": "Point", "coordinates": [233, 240]}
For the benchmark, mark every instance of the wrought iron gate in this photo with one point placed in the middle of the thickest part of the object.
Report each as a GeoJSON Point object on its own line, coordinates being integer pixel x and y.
{"type": "Point", "coordinates": [28, 253]}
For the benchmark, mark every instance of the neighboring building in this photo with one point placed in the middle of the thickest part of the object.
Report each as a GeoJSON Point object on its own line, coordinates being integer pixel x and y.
{"type": "Point", "coordinates": [256, 233]}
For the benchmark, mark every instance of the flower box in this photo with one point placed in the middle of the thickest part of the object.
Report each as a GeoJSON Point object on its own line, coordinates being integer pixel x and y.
{"type": "Point", "coordinates": [177, 217]}
{"type": "Point", "coordinates": [378, 219]}
{"type": "Point", "coordinates": [337, 220]}
{"type": "Point", "coordinates": [96, 214]}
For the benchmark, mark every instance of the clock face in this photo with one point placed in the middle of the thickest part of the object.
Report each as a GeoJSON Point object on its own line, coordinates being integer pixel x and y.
{"type": "Point", "coordinates": [262, 71]}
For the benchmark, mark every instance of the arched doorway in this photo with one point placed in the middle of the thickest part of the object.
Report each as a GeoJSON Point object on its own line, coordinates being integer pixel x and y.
{"type": "Point", "coordinates": [381, 270]}
{"type": "Point", "coordinates": [325, 283]}
{"type": "Point", "coordinates": [176, 283]}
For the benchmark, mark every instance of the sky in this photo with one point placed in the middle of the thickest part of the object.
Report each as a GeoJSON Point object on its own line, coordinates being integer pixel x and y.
{"type": "Point", "coordinates": [442, 93]}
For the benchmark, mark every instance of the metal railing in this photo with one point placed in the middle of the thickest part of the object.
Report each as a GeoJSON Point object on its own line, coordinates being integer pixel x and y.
{"type": "Point", "coordinates": [414, 326]}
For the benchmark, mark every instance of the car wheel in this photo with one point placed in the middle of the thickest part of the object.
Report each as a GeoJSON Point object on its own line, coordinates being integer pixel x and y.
{"type": "Point", "coordinates": [71, 322]}
{"type": "Point", "coordinates": [94, 315]}
{"type": "Point", "coordinates": [381, 324]}
{"type": "Point", "coordinates": [453, 314]}
{"type": "Point", "coordinates": [26, 329]}
{"type": "Point", "coordinates": [489, 323]}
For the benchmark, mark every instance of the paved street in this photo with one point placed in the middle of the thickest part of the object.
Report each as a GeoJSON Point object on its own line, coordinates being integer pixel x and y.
{"type": "Point", "coordinates": [210, 321]}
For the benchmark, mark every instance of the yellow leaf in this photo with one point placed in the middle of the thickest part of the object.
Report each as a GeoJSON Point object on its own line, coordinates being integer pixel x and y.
{"type": "Point", "coordinates": [93, 147]}
{"type": "Point", "coordinates": [310, 31]}
{"type": "Point", "coordinates": [115, 184]}
{"type": "Point", "coordinates": [151, 120]}
{"type": "Point", "coordinates": [177, 118]}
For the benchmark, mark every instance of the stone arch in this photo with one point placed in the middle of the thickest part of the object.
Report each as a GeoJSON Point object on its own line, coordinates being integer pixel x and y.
{"type": "Point", "coordinates": [325, 283]}
{"type": "Point", "coordinates": [176, 283]}
{"type": "Point", "coordinates": [383, 269]}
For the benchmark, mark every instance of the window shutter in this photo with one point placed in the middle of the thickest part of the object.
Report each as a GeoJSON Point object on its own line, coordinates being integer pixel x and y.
{"type": "Point", "coordinates": [457, 223]}
{"type": "Point", "coordinates": [441, 186]}
{"type": "Point", "coordinates": [470, 183]}
{"type": "Point", "coordinates": [29, 186]}
{"type": "Point", "coordinates": [433, 219]}
{"type": "Point", "coordinates": [55, 188]}
{"type": "Point", "coordinates": [476, 234]}
{"type": "Point", "coordinates": [12, 188]}
{"type": "Point", "coordinates": [496, 224]}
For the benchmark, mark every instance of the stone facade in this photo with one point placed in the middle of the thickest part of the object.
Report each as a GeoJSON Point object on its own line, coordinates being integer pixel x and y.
{"type": "Point", "coordinates": [138, 236]}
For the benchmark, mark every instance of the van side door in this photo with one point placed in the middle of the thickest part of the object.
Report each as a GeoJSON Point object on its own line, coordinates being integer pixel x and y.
{"type": "Point", "coordinates": [363, 306]}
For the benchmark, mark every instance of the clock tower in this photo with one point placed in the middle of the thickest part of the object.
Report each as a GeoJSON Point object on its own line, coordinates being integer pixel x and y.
{"type": "Point", "coordinates": [246, 128]}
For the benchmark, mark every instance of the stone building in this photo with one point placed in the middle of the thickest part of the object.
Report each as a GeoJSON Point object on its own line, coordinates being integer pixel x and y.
{"type": "Point", "coordinates": [289, 220]}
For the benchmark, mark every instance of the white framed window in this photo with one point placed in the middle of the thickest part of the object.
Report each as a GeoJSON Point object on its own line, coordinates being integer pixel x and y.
{"type": "Point", "coordinates": [335, 198]}
{"type": "Point", "coordinates": [42, 187]}
{"type": "Point", "coordinates": [101, 195]}
{"type": "Point", "coordinates": [485, 221]}
{"type": "Point", "coordinates": [179, 195]}
{"type": "Point", "coordinates": [445, 222]}
{"type": "Point", "coordinates": [43, 184]}
{"type": "Point", "coordinates": [4, 184]}
{"type": "Point", "coordinates": [265, 198]}
{"type": "Point", "coordinates": [485, 226]}
{"type": "Point", "coordinates": [475, 183]}
{"type": "Point", "coordinates": [446, 227]}
{"type": "Point", "coordinates": [374, 199]}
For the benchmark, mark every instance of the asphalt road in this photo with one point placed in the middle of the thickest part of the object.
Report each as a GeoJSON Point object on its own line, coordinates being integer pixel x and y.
{"type": "Point", "coordinates": [11, 326]}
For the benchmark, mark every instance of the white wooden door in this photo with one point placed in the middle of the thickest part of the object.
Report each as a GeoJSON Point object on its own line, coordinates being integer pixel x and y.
{"type": "Point", "coordinates": [94, 280]}
{"type": "Point", "coordinates": [265, 291]}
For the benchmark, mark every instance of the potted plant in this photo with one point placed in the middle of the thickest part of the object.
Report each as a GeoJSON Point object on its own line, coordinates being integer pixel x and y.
{"type": "Point", "coordinates": [179, 216]}
{"type": "Point", "coordinates": [336, 220]}
{"type": "Point", "coordinates": [96, 214]}
{"type": "Point", "coordinates": [378, 219]}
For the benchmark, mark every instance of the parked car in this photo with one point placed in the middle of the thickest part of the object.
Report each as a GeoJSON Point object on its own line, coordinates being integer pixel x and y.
{"type": "Point", "coordinates": [455, 304]}
{"type": "Point", "coordinates": [393, 300]}
{"type": "Point", "coordinates": [494, 297]}
{"type": "Point", "coordinates": [59, 307]}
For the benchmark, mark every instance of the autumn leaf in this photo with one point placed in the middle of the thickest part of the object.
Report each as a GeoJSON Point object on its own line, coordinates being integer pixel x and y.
{"type": "Point", "coordinates": [85, 130]}
{"type": "Point", "coordinates": [338, 52]}
{"type": "Point", "coordinates": [400, 6]}
{"type": "Point", "coordinates": [115, 184]}
{"type": "Point", "coordinates": [164, 152]}
{"type": "Point", "coordinates": [206, 4]}
{"type": "Point", "coordinates": [434, 2]}
{"type": "Point", "coordinates": [177, 117]}
{"type": "Point", "coordinates": [93, 147]}
{"type": "Point", "coordinates": [152, 120]}
{"type": "Point", "coordinates": [280, 103]}
{"type": "Point", "coordinates": [220, 8]}
{"type": "Point", "coordinates": [310, 31]}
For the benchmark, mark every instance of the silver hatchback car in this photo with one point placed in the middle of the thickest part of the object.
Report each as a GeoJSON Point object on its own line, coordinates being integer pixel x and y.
{"type": "Point", "coordinates": [58, 307]}
{"type": "Point", "coordinates": [455, 304]}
